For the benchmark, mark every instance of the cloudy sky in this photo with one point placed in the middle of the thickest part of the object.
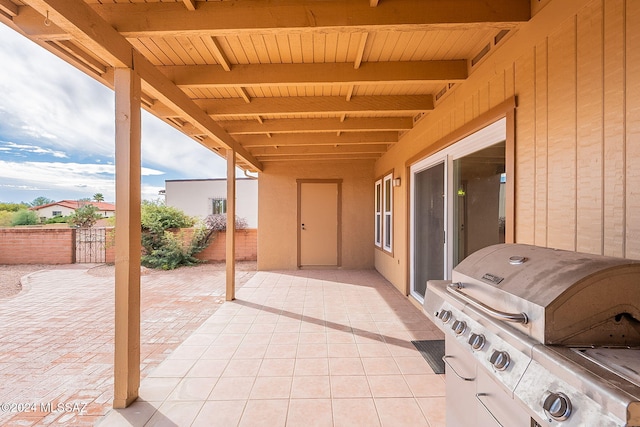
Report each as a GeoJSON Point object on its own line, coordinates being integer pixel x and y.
{"type": "Point", "coordinates": [57, 133]}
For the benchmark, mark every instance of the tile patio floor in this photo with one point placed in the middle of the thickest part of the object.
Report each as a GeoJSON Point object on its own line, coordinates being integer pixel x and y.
{"type": "Point", "coordinates": [303, 348]}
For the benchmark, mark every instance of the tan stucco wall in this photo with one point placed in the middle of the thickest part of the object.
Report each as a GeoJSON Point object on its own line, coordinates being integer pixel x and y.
{"type": "Point", "coordinates": [277, 198]}
{"type": "Point", "coordinates": [575, 71]}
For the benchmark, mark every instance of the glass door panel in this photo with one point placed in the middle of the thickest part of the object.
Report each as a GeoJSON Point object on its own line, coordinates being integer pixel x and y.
{"type": "Point", "coordinates": [479, 200]}
{"type": "Point", "coordinates": [429, 228]}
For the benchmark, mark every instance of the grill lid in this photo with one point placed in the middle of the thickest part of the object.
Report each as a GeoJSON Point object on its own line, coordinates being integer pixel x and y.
{"type": "Point", "coordinates": [568, 297]}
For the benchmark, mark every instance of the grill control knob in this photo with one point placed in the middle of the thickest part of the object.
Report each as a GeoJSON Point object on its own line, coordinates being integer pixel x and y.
{"type": "Point", "coordinates": [557, 406]}
{"type": "Point", "coordinates": [445, 316]}
{"type": "Point", "coordinates": [500, 360]}
{"type": "Point", "coordinates": [459, 326]}
{"type": "Point", "coordinates": [476, 341]}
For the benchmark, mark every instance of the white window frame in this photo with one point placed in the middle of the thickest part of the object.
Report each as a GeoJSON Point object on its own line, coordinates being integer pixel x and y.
{"type": "Point", "coordinates": [387, 213]}
{"type": "Point", "coordinates": [378, 213]}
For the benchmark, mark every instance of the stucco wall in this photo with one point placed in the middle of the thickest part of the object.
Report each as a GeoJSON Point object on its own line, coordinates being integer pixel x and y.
{"type": "Point", "coordinates": [277, 197]}
{"type": "Point", "coordinates": [575, 71]}
{"type": "Point", "coordinates": [192, 197]}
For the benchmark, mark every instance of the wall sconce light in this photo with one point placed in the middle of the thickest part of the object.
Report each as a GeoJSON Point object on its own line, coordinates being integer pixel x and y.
{"type": "Point", "coordinates": [397, 182]}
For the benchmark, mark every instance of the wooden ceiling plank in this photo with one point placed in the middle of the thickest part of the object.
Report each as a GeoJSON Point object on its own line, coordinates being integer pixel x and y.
{"type": "Point", "coordinates": [218, 18]}
{"type": "Point", "coordinates": [309, 150]}
{"type": "Point", "coordinates": [310, 74]}
{"type": "Point", "coordinates": [248, 127]}
{"type": "Point", "coordinates": [318, 105]}
{"type": "Point", "coordinates": [347, 138]}
{"type": "Point", "coordinates": [320, 158]}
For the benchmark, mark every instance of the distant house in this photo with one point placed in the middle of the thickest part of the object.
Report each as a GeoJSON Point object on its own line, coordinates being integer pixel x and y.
{"type": "Point", "coordinates": [67, 207]}
{"type": "Point", "coordinates": [203, 197]}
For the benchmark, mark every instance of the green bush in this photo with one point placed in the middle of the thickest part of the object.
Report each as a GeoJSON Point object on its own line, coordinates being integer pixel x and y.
{"type": "Point", "coordinates": [5, 218]}
{"type": "Point", "coordinates": [58, 219]}
{"type": "Point", "coordinates": [24, 217]}
{"type": "Point", "coordinates": [166, 249]}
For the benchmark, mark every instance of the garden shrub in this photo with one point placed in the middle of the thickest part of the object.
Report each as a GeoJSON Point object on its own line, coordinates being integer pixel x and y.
{"type": "Point", "coordinates": [24, 217]}
{"type": "Point", "coordinates": [163, 246]}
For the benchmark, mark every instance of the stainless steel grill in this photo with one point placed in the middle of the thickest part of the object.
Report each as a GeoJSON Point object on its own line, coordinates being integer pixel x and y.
{"type": "Point", "coordinates": [537, 336]}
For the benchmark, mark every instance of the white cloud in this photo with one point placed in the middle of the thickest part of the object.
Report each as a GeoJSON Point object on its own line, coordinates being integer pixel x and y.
{"type": "Point", "coordinates": [49, 108]}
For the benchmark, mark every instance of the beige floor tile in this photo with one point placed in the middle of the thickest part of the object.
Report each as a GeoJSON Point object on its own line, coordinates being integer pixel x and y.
{"type": "Point", "coordinates": [220, 414]}
{"type": "Point", "coordinates": [340, 337]}
{"type": "Point", "coordinates": [307, 351]}
{"type": "Point", "coordinates": [346, 366]}
{"type": "Point", "coordinates": [310, 387]}
{"type": "Point", "coordinates": [312, 338]}
{"type": "Point", "coordinates": [220, 352]}
{"type": "Point", "coordinates": [313, 366]}
{"type": "Point", "coordinates": [242, 368]}
{"type": "Point", "coordinates": [343, 350]}
{"type": "Point", "coordinates": [232, 388]}
{"type": "Point", "coordinates": [173, 368]}
{"type": "Point", "coordinates": [281, 351]}
{"type": "Point", "coordinates": [380, 366]}
{"type": "Point", "coordinates": [250, 351]}
{"type": "Point", "coordinates": [280, 338]}
{"type": "Point", "coordinates": [310, 413]}
{"type": "Point", "coordinates": [355, 413]}
{"type": "Point", "coordinates": [400, 412]}
{"type": "Point", "coordinates": [271, 388]}
{"type": "Point", "coordinates": [434, 410]}
{"type": "Point", "coordinates": [371, 349]}
{"type": "Point", "coordinates": [413, 365]}
{"type": "Point", "coordinates": [345, 386]}
{"type": "Point", "coordinates": [208, 368]}
{"type": "Point", "coordinates": [137, 414]}
{"type": "Point", "coordinates": [157, 389]}
{"type": "Point", "coordinates": [389, 386]}
{"type": "Point", "coordinates": [193, 389]}
{"type": "Point", "coordinates": [426, 385]}
{"type": "Point", "coordinates": [267, 413]}
{"type": "Point", "coordinates": [175, 413]}
{"type": "Point", "coordinates": [277, 368]}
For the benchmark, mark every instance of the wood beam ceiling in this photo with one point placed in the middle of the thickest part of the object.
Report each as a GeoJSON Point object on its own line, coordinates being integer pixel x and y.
{"type": "Point", "coordinates": [212, 76]}
{"type": "Point", "coordinates": [355, 124]}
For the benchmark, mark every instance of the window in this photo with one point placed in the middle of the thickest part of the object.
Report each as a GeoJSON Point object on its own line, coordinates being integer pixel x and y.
{"type": "Point", "coordinates": [387, 197]}
{"type": "Point", "coordinates": [56, 213]}
{"type": "Point", "coordinates": [384, 213]}
{"type": "Point", "coordinates": [378, 217]}
{"type": "Point", "coordinates": [218, 206]}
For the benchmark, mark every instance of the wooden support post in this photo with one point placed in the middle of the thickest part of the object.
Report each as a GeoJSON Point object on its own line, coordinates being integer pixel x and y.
{"type": "Point", "coordinates": [127, 280]}
{"type": "Point", "coordinates": [231, 226]}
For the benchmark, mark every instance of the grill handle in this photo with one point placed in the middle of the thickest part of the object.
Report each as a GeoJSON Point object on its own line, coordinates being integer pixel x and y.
{"type": "Point", "coordinates": [444, 359]}
{"type": "Point", "coordinates": [454, 288]}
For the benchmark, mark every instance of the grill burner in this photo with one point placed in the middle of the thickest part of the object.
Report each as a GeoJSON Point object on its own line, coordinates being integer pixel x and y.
{"type": "Point", "coordinates": [555, 332]}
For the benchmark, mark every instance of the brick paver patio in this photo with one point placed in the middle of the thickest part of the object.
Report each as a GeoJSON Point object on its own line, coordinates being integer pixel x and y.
{"type": "Point", "coordinates": [56, 338]}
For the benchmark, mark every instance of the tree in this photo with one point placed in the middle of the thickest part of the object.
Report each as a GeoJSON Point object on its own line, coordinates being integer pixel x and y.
{"type": "Point", "coordinates": [24, 217]}
{"type": "Point", "coordinates": [39, 201]}
{"type": "Point", "coordinates": [85, 216]}
{"type": "Point", "coordinates": [98, 197]}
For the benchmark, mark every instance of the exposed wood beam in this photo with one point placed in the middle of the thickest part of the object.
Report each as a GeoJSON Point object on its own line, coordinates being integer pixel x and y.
{"type": "Point", "coordinates": [8, 8]}
{"type": "Point", "coordinates": [390, 104]}
{"type": "Point", "coordinates": [225, 18]}
{"type": "Point", "coordinates": [210, 76]}
{"type": "Point", "coordinates": [360, 53]}
{"type": "Point", "coordinates": [79, 20]}
{"type": "Point", "coordinates": [82, 56]}
{"type": "Point", "coordinates": [244, 94]}
{"type": "Point", "coordinates": [247, 127]}
{"type": "Point", "coordinates": [282, 140]}
{"type": "Point", "coordinates": [320, 158]}
{"type": "Point", "coordinates": [190, 4]}
{"type": "Point", "coordinates": [373, 3]}
{"type": "Point", "coordinates": [312, 150]}
{"type": "Point", "coordinates": [216, 50]}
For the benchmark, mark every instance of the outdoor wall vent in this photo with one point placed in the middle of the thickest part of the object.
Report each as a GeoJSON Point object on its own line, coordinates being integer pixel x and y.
{"type": "Point", "coordinates": [441, 93]}
{"type": "Point", "coordinates": [500, 36]}
{"type": "Point", "coordinates": [481, 54]}
{"type": "Point", "coordinates": [418, 117]}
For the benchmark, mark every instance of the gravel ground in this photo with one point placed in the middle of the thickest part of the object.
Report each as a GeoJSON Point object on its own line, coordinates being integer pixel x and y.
{"type": "Point", "coordinates": [10, 275]}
